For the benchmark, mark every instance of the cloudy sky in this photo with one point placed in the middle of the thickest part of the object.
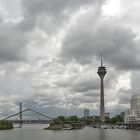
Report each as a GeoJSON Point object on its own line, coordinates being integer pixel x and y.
{"type": "Point", "coordinates": [50, 51]}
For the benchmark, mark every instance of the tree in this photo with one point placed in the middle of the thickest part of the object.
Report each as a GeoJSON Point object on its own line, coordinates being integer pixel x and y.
{"type": "Point", "coordinates": [73, 118]}
{"type": "Point", "coordinates": [61, 118]}
{"type": "Point", "coordinates": [117, 118]}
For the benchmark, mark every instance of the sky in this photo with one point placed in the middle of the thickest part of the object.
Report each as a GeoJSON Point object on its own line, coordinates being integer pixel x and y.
{"type": "Point", "coordinates": [50, 52]}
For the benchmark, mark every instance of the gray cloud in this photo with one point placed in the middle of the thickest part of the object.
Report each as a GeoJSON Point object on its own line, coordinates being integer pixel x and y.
{"type": "Point", "coordinates": [124, 97]}
{"type": "Point", "coordinates": [78, 99]}
{"type": "Point", "coordinates": [81, 83]}
{"type": "Point", "coordinates": [68, 82]}
{"type": "Point", "coordinates": [55, 7]}
{"type": "Point", "coordinates": [128, 18]}
{"type": "Point", "coordinates": [8, 105]}
{"type": "Point", "coordinates": [50, 16]}
{"type": "Point", "coordinates": [12, 44]}
{"type": "Point", "coordinates": [115, 42]}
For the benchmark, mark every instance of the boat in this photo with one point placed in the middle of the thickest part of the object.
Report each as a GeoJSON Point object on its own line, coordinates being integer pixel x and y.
{"type": "Point", "coordinates": [103, 126]}
{"type": "Point", "coordinates": [67, 128]}
{"type": "Point", "coordinates": [94, 126]}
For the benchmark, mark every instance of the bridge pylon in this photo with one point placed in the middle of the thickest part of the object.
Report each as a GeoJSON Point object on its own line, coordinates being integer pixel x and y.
{"type": "Point", "coordinates": [20, 115]}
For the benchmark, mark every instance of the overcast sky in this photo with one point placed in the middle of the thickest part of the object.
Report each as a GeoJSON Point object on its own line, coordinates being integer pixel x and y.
{"type": "Point", "coordinates": [50, 52]}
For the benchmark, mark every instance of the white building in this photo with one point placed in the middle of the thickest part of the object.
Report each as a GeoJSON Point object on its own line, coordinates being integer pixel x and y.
{"type": "Point", "coordinates": [86, 113]}
{"type": "Point", "coordinates": [132, 115]}
{"type": "Point", "coordinates": [135, 101]}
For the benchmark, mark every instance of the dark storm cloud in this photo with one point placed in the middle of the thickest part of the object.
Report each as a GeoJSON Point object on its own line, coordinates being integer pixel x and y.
{"type": "Point", "coordinates": [117, 43]}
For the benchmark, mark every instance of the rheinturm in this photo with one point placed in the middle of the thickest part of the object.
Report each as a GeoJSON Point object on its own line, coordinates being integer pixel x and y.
{"type": "Point", "coordinates": [102, 72]}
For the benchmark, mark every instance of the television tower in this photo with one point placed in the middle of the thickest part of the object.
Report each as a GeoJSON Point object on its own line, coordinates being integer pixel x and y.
{"type": "Point", "coordinates": [102, 72]}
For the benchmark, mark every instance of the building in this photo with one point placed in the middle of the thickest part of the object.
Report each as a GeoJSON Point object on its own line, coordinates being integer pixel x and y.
{"type": "Point", "coordinates": [86, 113]}
{"type": "Point", "coordinates": [122, 115]}
{"type": "Point", "coordinates": [102, 72]}
{"type": "Point", "coordinates": [132, 115]}
{"type": "Point", "coordinates": [107, 115]}
{"type": "Point", "coordinates": [135, 101]}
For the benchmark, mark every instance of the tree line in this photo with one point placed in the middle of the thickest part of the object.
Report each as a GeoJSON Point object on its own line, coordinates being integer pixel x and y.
{"type": "Point", "coordinates": [88, 120]}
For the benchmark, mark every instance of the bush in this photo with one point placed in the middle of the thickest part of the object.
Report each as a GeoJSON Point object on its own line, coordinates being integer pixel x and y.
{"type": "Point", "coordinates": [5, 125]}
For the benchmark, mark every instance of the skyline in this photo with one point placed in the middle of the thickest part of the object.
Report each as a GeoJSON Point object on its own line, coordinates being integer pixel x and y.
{"type": "Point", "coordinates": [50, 51]}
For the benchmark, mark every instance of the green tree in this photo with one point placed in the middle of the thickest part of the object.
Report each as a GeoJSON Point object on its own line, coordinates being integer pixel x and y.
{"type": "Point", "coordinates": [116, 119]}
{"type": "Point", "coordinates": [5, 125]}
{"type": "Point", "coordinates": [73, 118]}
{"type": "Point", "coordinates": [61, 118]}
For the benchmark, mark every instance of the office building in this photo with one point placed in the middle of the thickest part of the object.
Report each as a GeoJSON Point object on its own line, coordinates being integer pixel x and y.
{"type": "Point", "coordinates": [86, 113]}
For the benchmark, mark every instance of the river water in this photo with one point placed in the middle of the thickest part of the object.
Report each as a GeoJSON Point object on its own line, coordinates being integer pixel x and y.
{"type": "Point", "coordinates": [35, 132]}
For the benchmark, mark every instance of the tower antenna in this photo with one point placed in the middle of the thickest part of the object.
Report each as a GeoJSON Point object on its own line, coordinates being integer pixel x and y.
{"type": "Point", "coordinates": [101, 60]}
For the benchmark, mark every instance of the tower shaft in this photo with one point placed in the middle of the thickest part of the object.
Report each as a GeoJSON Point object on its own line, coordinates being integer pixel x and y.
{"type": "Point", "coordinates": [102, 109]}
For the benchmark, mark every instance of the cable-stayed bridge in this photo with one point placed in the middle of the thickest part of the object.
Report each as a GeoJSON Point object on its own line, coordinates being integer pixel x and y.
{"type": "Point", "coordinates": [21, 121]}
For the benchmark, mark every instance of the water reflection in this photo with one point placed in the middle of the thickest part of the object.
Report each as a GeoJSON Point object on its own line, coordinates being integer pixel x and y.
{"type": "Point", "coordinates": [102, 135]}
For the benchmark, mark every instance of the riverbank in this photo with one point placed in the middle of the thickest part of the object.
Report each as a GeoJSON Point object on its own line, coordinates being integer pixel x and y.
{"type": "Point", "coordinates": [4, 125]}
{"type": "Point", "coordinates": [68, 126]}
{"type": "Point", "coordinates": [123, 126]}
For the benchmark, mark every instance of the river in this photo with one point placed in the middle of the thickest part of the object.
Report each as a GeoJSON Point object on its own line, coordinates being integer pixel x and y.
{"type": "Point", "coordinates": [35, 132]}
